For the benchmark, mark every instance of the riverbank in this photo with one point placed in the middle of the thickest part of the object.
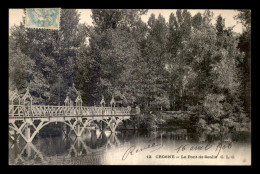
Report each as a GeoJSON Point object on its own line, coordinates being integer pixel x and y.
{"type": "Point", "coordinates": [190, 121]}
{"type": "Point", "coordinates": [167, 120]}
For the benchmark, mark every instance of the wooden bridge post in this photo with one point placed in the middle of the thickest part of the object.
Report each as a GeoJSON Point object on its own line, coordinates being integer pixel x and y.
{"type": "Point", "coordinates": [29, 149]}
{"type": "Point", "coordinates": [77, 129]}
{"type": "Point", "coordinates": [16, 136]}
{"type": "Point", "coordinates": [102, 102]}
{"type": "Point", "coordinates": [48, 114]}
{"type": "Point", "coordinates": [112, 127]}
{"type": "Point", "coordinates": [113, 123]}
{"type": "Point", "coordinates": [27, 133]}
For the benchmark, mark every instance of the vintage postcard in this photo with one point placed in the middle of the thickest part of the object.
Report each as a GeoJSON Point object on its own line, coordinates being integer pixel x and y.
{"type": "Point", "coordinates": [129, 87]}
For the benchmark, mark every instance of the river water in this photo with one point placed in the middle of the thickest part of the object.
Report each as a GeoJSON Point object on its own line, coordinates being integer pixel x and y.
{"type": "Point", "coordinates": [128, 147]}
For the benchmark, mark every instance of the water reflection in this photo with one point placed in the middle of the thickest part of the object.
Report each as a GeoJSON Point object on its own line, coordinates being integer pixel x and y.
{"type": "Point", "coordinates": [97, 147]}
{"type": "Point", "coordinates": [62, 150]}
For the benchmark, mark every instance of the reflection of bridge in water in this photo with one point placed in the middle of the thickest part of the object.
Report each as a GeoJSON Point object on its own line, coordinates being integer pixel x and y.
{"type": "Point", "coordinates": [80, 151]}
{"type": "Point", "coordinates": [92, 147]}
{"type": "Point", "coordinates": [26, 119]}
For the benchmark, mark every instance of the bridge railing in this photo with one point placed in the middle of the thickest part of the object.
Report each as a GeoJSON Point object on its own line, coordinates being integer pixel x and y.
{"type": "Point", "coordinates": [16, 110]}
{"type": "Point", "coordinates": [47, 110]}
{"type": "Point", "coordinates": [25, 107]}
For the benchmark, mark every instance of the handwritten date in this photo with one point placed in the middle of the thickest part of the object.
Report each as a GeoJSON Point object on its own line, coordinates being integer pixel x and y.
{"type": "Point", "coordinates": [220, 146]}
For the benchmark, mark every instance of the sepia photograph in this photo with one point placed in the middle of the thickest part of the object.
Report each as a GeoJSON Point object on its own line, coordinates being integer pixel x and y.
{"type": "Point", "coordinates": [129, 86]}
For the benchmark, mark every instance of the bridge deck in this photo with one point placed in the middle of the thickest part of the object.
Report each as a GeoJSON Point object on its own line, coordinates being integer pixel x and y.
{"type": "Point", "coordinates": [38, 111]}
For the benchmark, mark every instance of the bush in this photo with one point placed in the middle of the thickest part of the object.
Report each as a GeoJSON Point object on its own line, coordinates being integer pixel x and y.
{"type": "Point", "coordinates": [150, 121]}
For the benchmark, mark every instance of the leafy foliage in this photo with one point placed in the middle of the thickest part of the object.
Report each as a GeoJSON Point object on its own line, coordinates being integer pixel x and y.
{"type": "Point", "coordinates": [185, 63]}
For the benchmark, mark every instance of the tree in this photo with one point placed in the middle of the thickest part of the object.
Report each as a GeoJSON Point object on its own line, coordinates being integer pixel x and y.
{"type": "Point", "coordinates": [23, 72]}
{"type": "Point", "coordinates": [113, 49]}
{"type": "Point", "coordinates": [196, 20]}
{"type": "Point", "coordinates": [155, 57]}
{"type": "Point", "coordinates": [214, 55]}
{"type": "Point", "coordinates": [53, 53]}
{"type": "Point", "coordinates": [244, 16]}
{"type": "Point", "coordinates": [220, 25]}
{"type": "Point", "coordinates": [179, 30]}
{"type": "Point", "coordinates": [244, 64]}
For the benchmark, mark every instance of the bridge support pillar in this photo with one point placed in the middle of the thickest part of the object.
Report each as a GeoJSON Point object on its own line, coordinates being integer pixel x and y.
{"type": "Point", "coordinates": [27, 131]}
{"type": "Point", "coordinates": [113, 123]}
{"type": "Point", "coordinates": [29, 150]}
{"type": "Point", "coordinates": [78, 130]}
{"type": "Point", "coordinates": [16, 136]}
{"type": "Point", "coordinates": [112, 127]}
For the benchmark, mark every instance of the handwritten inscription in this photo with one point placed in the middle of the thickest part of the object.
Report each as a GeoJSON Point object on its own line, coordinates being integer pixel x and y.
{"type": "Point", "coordinates": [134, 150]}
{"type": "Point", "coordinates": [218, 147]}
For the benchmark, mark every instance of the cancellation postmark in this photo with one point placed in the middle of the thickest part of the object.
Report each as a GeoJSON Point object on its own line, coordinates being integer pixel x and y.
{"type": "Point", "coordinates": [43, 18]}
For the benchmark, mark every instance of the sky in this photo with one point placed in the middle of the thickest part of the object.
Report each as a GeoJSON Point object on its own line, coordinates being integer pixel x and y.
{"type": "Point", "coordinates": [15, 16]}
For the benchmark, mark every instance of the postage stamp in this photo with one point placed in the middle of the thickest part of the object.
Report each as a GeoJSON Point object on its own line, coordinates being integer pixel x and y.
{"type": "Point", "coordinates": [43, 18]}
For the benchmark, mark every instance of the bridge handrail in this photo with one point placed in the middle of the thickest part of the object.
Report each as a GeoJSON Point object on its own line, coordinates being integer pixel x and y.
{"type": "Point", "coordinates": [52, 110]}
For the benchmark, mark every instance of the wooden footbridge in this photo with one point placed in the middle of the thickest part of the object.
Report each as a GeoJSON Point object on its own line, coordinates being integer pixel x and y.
{"type": "Point", "coordinates": [26, 119]}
